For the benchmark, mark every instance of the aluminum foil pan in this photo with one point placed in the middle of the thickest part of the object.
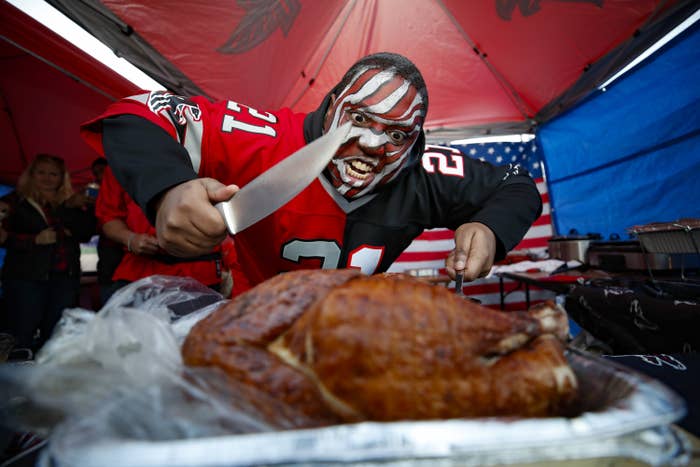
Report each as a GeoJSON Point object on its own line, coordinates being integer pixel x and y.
{"type": "Point", "coordinates": [621, 414]}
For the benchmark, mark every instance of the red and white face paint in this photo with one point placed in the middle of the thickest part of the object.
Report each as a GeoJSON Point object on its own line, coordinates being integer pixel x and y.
{"type": "Point", "coordinates": [387, 114]}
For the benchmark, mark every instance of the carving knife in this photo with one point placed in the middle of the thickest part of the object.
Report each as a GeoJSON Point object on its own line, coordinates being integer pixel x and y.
{"type": "Point", "coordinates": [276, 186]}
{"type": "Point", "coordinates": [459, 283]}
{"type": "Point", "coordinates": [459, 287]}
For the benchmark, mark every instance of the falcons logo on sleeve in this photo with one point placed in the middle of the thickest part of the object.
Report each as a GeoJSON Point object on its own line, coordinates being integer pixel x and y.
{"type": "Point", "coordinates": [175, 108]}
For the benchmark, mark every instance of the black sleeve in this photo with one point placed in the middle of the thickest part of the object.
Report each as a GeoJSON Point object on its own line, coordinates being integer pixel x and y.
{"type": "Point", "coordinates": [510, 212]}
{"type": "Point", "coordinates": [504, 198]}
{"type": "Point", "coordinates": [145, 159]}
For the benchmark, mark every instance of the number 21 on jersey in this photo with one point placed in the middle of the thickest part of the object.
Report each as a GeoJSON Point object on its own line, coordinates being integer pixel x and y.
{"type": "Point", "coordinates": [231, 123]}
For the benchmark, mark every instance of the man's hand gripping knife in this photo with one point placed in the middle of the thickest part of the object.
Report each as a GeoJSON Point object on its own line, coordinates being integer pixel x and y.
{"type": "Point", "coordinates": [187, 223]}
{"type": "Point", "coordinates": [474, 252]}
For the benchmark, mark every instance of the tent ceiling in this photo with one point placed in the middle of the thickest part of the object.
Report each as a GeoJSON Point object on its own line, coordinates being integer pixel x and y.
{"type": "Point", "coordinates": [492, 66]}
{"type": "Point", "coordinates": [47, 88]}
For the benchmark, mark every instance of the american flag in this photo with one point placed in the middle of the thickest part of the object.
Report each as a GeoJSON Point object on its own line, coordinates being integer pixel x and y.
{"type": "Point", "coordinates": [427, 252]}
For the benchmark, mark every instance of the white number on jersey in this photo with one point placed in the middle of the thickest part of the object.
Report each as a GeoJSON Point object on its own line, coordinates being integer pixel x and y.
{"type": "Point", "coordinates": [364, 258]}
{"type": "Point", "coordinates": [230, 123]}
{"type": "Point", "coordinates": [453, 166]}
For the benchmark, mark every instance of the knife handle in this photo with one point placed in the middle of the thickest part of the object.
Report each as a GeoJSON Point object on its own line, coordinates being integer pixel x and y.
{"type": "Point", "coordinates": [459, 283]}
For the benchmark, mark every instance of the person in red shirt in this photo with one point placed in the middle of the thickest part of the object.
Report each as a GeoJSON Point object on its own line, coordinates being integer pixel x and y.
{"type": "Point", "coordinates": [123, 221]}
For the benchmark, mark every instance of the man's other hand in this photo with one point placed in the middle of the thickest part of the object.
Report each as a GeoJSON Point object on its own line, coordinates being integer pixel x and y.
{"type": "Point", "coordinates": [474, 253]}
{"type": "Point", "coordinates": [187, 223]}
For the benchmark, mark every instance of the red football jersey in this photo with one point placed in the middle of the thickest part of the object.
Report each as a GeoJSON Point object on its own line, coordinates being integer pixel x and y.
{"type": "Point", "coordinates": [239, 143]}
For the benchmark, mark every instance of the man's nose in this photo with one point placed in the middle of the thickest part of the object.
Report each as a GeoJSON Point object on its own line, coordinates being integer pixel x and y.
{"type": "Point", "coordinates": [373, 141]}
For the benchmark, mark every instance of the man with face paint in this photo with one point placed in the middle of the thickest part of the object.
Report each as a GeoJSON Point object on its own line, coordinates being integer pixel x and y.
{"type": "Point", "coordinates": [178, 156]}
{"type": "Point", "coordinates": [387, 114]}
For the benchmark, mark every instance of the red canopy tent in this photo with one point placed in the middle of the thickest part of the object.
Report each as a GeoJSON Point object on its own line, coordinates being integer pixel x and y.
{"type": "Point", "coordinates": [47, 88]}
{"type": "Point", "coordinates": [491, 66]}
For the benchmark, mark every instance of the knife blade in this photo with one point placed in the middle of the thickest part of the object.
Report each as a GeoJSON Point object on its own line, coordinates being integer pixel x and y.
{"type": "Point", "coordinates": [276, 186]}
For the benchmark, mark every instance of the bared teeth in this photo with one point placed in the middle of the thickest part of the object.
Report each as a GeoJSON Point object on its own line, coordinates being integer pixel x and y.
{"type": "Point", "coordinates": [358, 169]}
{"type": "Point", "coordinates": [353, 173]}
{"type": "Point", "coordinates": [359, 165]}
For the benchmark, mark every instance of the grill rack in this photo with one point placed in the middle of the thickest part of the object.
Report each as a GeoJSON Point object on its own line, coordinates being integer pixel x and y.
{"type": "Point", "coordinates": [677, 237]}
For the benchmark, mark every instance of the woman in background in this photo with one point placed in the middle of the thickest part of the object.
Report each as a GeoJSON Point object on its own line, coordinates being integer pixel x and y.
{"type": "Point", "coordinates": [41, 273]}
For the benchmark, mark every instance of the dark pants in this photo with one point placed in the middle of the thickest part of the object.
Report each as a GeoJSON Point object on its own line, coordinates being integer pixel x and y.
{"type": "Point", "coordinates": [33, 305]}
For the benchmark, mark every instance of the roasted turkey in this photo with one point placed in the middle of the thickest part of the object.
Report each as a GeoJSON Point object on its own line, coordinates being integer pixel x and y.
{"type": "Point", "coordinates": [340, 346]}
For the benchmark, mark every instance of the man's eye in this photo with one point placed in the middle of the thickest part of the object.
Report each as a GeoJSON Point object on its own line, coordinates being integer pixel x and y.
{"type": "Point", "coordinates": [397, 137]}
{"type": "Point", "coordinates": [358, 118]}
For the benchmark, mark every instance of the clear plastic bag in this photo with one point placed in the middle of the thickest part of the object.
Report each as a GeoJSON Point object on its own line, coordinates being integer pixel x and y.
{"type": "Point", "coordinates": [144, 321]}
{"type": "Point", "coordinates": [118, 374]}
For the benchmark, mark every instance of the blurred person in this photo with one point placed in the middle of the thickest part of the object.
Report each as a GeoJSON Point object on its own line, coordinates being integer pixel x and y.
{"type": "Point", "coordinates": [122, 221]}
{"type": "Point", "coordinates": [109, 252]}
{"type": "Point", "coordinates": [86, 195]}
{"type": "Point", "coordinates": [41, 273]}
{"type": "Point", "coordinates": [98, 168]}
{"type": "Point", "coordinates": [4, 336]}
{"type": "Point", "coordinates": [4, 210]}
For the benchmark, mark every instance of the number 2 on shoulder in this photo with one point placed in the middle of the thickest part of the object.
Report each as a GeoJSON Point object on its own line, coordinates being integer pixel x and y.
{"type": "Point", "coordinates": [447, 164]}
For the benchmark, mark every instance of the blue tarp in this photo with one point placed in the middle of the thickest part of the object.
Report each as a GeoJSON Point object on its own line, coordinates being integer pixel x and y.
{"type": "Point", "coordinates": [630, 155]}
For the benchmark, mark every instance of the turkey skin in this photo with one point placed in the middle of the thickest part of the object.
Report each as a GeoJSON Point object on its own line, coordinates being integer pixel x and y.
{"type": "Point", "coordinates": [340, 346]}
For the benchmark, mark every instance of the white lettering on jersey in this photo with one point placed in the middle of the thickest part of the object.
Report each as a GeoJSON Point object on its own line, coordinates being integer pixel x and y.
{"type": "Point", "coordinates": [327, 252]}
{"type": "Point", "coordinates": [230, 123]}
{"type": "Point", "coordinates": [454, 166]}
{"type": "Point", "coordinates": [366, 258]}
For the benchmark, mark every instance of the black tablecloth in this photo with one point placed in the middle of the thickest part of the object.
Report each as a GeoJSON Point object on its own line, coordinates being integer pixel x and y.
{"type": "Point", "coordinates": [680, 372]}
{"type": "Point", "coordinates": [638, 316]}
